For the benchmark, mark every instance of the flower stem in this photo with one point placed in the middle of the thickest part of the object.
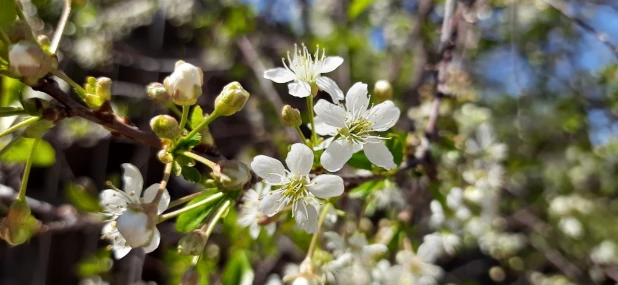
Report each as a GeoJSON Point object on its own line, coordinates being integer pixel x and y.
{"type": "Point", "coordinates": [20, 125]}
{"type": "Point", "coordinates": [201, 159]}
{"type": "Point", "coordinates": [184, 117]}
{"type": "Point", "coordinates": [78, 88]}
{"type": "Point", "coordinates": [300, 133]}
{"type": "Point", "coordinates": [66, 11]}
{"type": "Point", "coordinates": [24, 181]}
{"type": "Point", "coordinates": [203, 124]}
{"type": "Point", "coordinates": [216, 217]}
{"type": "Point", "coordinates": [211, 198]}
{"type": "Point", "coordinates": [314, 240]}
{"type": "Point", "coordinates": [174, 109]}
{"type": "Point", "coordinates": [166, 177]}
{"type": "Point", "coordinates": [184, 199]}
{"type": "Point", "coordinates": [13, 112]}
{"type": "Point", "coordinates": [314, 137]}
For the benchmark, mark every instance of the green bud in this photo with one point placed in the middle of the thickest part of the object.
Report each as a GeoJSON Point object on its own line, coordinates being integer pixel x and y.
{"type": "Point", "coordinates": [231, 174]}
{"type": "Point", "coordinates": [231, 99]}
{"type": "Point", "coordinates": [165, 126]}
{"type": "Point", "coordinates": [165, 157]}
{"type": "Point", "coordinates": [291, 116]}
{"type": "Point", "coordinates": [383, 90]}
{"type": "Point", "coordinates": [98, 91]}
{"type": "Point", "coordinates": [193, 243]}
{"type": "Point", "coordinates": [15, 228]}
{"type": "Point", "coordinates": [104, 88]}
{"type": "Point", "coordinates": [157, 92]}
{"type": "Point", "coordinates": [38, 129]}
{"type": "Point", "coordinates": [28, 61]}
{"type": "Point", "coordinates": [190, 277]}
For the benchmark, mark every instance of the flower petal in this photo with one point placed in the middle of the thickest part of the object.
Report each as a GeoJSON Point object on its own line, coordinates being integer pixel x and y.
{"type": "Point", "coordinates": [270, 228]}
{"type": "Point", "coordinates": [154, 242]}
{"type": "Point", "coordinates": [328, 85]}
{"type": "Point", "coordinates": [383, 116]}
{"type": "Point", "coordinates": [113, 201]}
{"type": "Point", "coordinates": [268, 168]}
{"type": "Point", "coordinates": [151, 192]}
{"type": "Point", "coordinates": [331, 63]}
{"type": "Point", "coordinates": [356, 99]}
{"type": "Point", "coordinates": [254, 230]}
{"type": "Point", "coordinates": [322, 128]}
{"type": "Point", "coordinates": [306, 217]}
{"type": "Point", "coordinates": [326, 185]}
{"type": "Point", "coordinates": [299, 89]}
{"type": "Point", "coordinates": [336, 155]}
{"type": "Point", "coordinates": [132, 225]}
{"type": "Point", "coordinates": [279, 75]}
{"type": "Point", "coordinates": [330, 114]}
{"type": "Point", "coordinates": [379, 155]}
{"type": "Point", "coordinates": [271, 202]}
{"type": "Point", "coordinates": [299, 159]}
{"type": "Point", "coordinates": [133, 181]}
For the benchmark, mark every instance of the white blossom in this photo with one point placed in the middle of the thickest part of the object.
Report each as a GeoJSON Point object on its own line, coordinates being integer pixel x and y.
{"type": "Point", "coordinates": [128, 226]}
{"type": "Point", "coordinates": [414, 268]}
{"type": "Point", "coordinates": [604, 253]}
{"type": "Point", "coordinates": [353, 128]}
{"type": "Point", "coordinates": [185, 83]}
{"type": "Point", "coordinates": [571, 227]}
{"type": "Point", "coordinates": [295, 186]}
{"type": "Point", "coordinates": [306, 71]}
{"type": "Point", "coordinates": [250, 215]}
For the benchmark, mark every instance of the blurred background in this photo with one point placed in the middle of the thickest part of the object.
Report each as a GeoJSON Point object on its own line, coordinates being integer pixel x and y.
{"type": "Point", "coordinates": [531, 83]}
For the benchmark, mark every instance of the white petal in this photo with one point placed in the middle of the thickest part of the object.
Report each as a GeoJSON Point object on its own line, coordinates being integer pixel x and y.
{"type": "Point", "coordinates": [268, 168]}
{"type": "Point", "coordinates": [120, 251]}
{"type": "Point", "coordinates": [326, 185]}
{"type": "Point", "coordinates": [328, 85]}
{"type": "Point", "coordinates": [331, 63]}
{"type": "Point", "coordinates": [108, 228]}
{"type": "Point", "coordinates": [279, 75]}
{"type": "Point", "coordinates": [375, 249]}
{"type": "Point", "coordinates": [330, 114]}
{"type": "Point", "coordinates": [383, 116]}
{"type": "Point", "coordinates": [336, 155]}
{"type": "Point", "coordinates": [322, 128]}
{"type": "Point", "coordinates": [113, 201]}
{"type": "Point", "coordinates": [299, 89]}
{"type": "Point", "coordinates": [299, 159]}
{"type": "Point", "coordinates": [306, 217]}
{"type": "Point", "coordinates": [132, 179]}
{"type": "Point", "coordinates": [151, 192]}
{"type": "Point", "coordinates": [271, 203]}
{"type": "Point", "coordinates": [154, 242]}
{"type": "Point", "coordinates": [270, 228]}
{"type": "Point", "coordinates": [254, 230]}
{"type": "Point", "coordinates": [132, 225]}
{"type": "Point", "coordinates": [379, 155]}
{"type": "Point", "coordinates": [356, 99]}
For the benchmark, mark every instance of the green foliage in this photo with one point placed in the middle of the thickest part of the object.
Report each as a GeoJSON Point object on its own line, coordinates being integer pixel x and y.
{"type": "Point", "coordinates": [197, 116]}
{"type": "Point", "coordinates": [364, 190]}
{"type": "Point", "coordinates": [96, 264]}
{"type": "Point", "coordinates": [192, 219]}
{"type": "Point", "coordinates": [396, 145]}
{"type": "Point", "coordinates": [44, 155]}
{"type": "Point", "coordinates": [238, 269]}
{"type": "Point", "coordinates": [360, 161]}
{"type": "Point", "coordinates": [81, 199]}
{"type": "Point", "coordinates": [191, 174]}
{"type": "Point", "coordinates": [357, 7]}
{"type": "Point", "coordinates": [189, 143]}
{"type": "Point", "coordinates": [8, 13]}
{"type": "Point", "coordinates": [11, 89]}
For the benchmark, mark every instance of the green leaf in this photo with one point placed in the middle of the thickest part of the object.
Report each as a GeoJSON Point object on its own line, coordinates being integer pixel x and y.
{"type": "Point", "coordinates": [176, 168]}
{"type": "Point", "coordinates": [191, 174]}
{"type": "Point", "coordinates": [238, 270]}
{"type": "Point", "coordinates": [44, 155]}
{"type": "Point", "coordinates": [7, 13]}
{"type": "Point", "coordinates": [363, 190]}
{"type": "Point", "coordinates": [185, 161]}
{"type": "Point", "coordinates": [189, 143]}
{"type": "Point", "coordinates": [95, 264]}
{"type": "Point", "coordinates": [197, 116]}
{"type": "Point", "coordinates": [360, 161]}
{"type": "Point", "coordinates": [11, 88]}
{"type": "Point", "coordinates": [357, 7]}
{"type": "Point", "coordinates": [82, 200]}
{"type": "Point", "coordinates": [397, 146]}
{"type": "Point", "coordinates": [192, 219]}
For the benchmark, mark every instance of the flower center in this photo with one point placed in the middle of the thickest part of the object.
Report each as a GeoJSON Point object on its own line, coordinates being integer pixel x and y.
{"type": "Point", "coordinates": [305, 65]}
{"type": "Point", "coordinates": [357, 130]}
{"type": "Point", "coordinates": [294, 187]}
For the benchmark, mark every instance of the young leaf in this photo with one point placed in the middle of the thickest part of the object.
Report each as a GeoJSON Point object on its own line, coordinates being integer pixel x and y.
{"type": "Point", "coordinates": [360, 161]}
{"type": "Point", "coordinates": [191, 174]}
{"type": "Point", "coordinates": [82, 200]}
{"type": "Point", "coordinates": [192, 219]}
{"type": "Point", "coordinates": [363, 190]}
{"type": "Point", "coordinates": [238, 270]}
{"type": "Point", "coordinates": [396, 145]}
{"type": "Point", "coordinates": [190, 142]}
{"type": "Point", "coordinates": [196, 117]}
{"type": "Point", "coordinates": [43, 156]}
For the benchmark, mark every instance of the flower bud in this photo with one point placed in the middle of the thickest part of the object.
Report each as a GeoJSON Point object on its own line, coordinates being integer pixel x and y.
{"type": "Point", "coordinates": [98, 91]}
{"type": "Point", "coordinates": [190, 277]}
{"type": "Point", "coordinates": [133, 225]}
{"type": "Point", "coordinates": [104, 88]}
{"type": "Point", "coordinates": [165, 157]}
{"type": "Point", "coordinates": [383, 90]}
{"type": "Point", "coordinates": [231, 174]}
{"type": "Point", "coordinates": [15, 228]}
{"type": "Point", "coordinates": [185, 83]}
{"type": "Point", "coordinates": [165, 126]}
{"type": "Point", "coordinates": [157, 92]}
{"type": "Point", "coordinates": [291, 116]}
{"type": "Point", "coordinates": [28, 60]}
{"type": "Point", "coordinates": [193, 243]}
{"type": "Point", "coordinates": [231, 99]}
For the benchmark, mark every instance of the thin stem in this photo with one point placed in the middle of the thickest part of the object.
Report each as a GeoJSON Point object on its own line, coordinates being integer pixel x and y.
{"type": "Point", "coordinates": [201, 159]}
{"type": "Point", "coordinates": [13, 112]}
{"type": "Point", "coordinates": [166, 177]}
{"type": "Point", "coordinates": [217, 216]}
{"type": "Point", "coordinates": [184, 199]}
{"type": "Point", "coordinates": [203, 124]}
{"type": "Point", "coordinates": [78, 88]}
{"type": "Point", "coordinates": [66, 11]}
{"type": "Point", "coordinates": [5, 37]}
{"type": "Point", "coordinates": [175, 109]}
{"type": "Point", "coordinates": [210, 199]}
{"type": "Point", "coordinates": [314, 240]}
{"type": "Point", "coordinates": [184, 117]}
{"type": "Point", "coordinates": [24, 181]}
{"type": "Point", "coordinates": [300, 133]}
{"type": "Point", "coordinates": [20, 125]}
{"type": "Point", "coordinates": [314, 137]}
